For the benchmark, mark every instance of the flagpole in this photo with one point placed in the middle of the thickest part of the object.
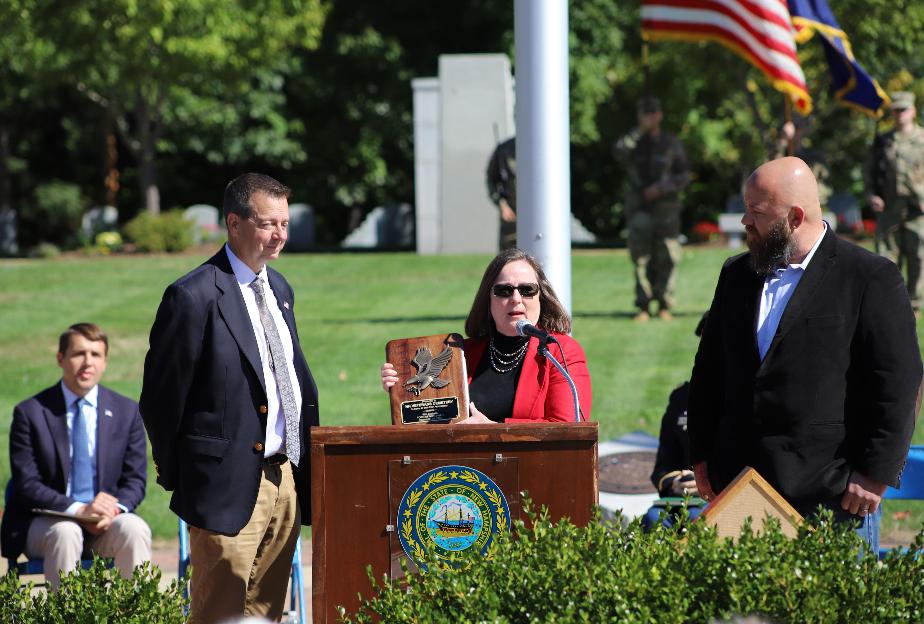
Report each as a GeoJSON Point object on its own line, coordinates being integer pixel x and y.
{"type": "Point", "coordinates": [543, 148]}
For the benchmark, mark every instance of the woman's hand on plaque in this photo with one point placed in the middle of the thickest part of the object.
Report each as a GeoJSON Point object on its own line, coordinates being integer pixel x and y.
{"type": "Point", "coordinates": [475, 417]}
{"type": "Point", "coordinates": [389, 376]}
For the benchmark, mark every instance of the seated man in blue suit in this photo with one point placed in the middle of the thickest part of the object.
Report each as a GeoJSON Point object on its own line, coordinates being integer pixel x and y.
{"type": "Point", "coordinates": [79, 448]}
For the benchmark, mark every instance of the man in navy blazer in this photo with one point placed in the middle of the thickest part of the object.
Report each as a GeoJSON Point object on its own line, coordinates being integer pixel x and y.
{"type": "Point", "coordinates": [43, 455]}
{"type": "Point", "coordinates": [809, 367]}
{"type": "Point", "coordinates": [228, 400]}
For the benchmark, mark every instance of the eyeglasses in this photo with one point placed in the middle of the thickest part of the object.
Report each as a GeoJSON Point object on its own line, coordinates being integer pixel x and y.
{"type": "Point", "coordinates": [505, 291]}
{"type": "Point", "coordinates": [269, 226]}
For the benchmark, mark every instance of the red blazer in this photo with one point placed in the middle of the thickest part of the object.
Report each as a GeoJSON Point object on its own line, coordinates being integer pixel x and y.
{"type": "Point", "coordinates": [542, 392]}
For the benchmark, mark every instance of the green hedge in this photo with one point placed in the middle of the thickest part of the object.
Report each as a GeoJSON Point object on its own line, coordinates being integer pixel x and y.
{"type": "Point", "coordinates": [168, 231]}
{"type": "Point", "coordinates": [53, 216]}
{"type": "Point", "coordinates": [98, 595]}
{"type": "Point", "coordinates": [607, 573]}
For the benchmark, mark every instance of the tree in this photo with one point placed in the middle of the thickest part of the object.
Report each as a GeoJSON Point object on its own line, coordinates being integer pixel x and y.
{"type": "Point", "coordinates": [17, 86]}
{"type": "Point", "coordinates": [146, 63]}
{"type": "Point", "coordinates": [724, 110]}
{"type": "Point", "coordinates": [324, 99]}
{"type": "Point", "coordinates": [353, 96]}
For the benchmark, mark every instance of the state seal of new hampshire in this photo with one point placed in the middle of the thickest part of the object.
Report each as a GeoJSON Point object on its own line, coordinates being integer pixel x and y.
{"type": "Point", "coordinates": [448, 510]}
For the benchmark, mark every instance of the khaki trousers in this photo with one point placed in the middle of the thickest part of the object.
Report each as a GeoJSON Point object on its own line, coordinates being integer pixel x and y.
{"type": "Point", "coordinates": [247, 573]}
{"type": "Point", "coordinates": [61, 542]}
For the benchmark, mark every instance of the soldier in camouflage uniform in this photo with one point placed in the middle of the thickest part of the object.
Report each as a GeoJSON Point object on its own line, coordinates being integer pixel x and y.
{"type": "Point", "coordinates": [502, 188]}
{"type": "Point", "coordinates": [897, 194]}
{"type": "Point", "coordinates": [657, 171]}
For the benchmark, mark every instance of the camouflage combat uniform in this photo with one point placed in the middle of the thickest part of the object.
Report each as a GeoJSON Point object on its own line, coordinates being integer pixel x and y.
{"type": "Point", "coordinates": [653, 226]}
{"type": "Point", "coordinates": [502, 184]}
{"type": "Point", "coordinates": [898, 178]}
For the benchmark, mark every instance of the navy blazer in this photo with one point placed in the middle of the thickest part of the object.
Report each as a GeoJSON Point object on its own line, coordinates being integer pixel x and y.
{"type": "Point", "coordinates": [204, 398]}
{"type": "Point", "coordinates": [836, 390]}
{"type": "Point", "coordinates": [40, 458]}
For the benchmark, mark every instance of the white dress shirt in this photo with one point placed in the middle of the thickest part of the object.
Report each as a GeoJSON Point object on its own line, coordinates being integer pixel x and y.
{"type": "Point", "coordinates": [777, 291]}
{"type": "Point", "coordinates": [275, 419]}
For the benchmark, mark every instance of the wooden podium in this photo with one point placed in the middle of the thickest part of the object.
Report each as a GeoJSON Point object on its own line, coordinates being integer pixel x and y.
{"type": "Point", "coordinates": [360, 474]}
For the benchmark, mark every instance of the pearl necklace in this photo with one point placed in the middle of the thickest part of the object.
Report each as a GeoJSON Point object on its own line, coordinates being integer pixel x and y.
{"type": "Point", "coordinates": [505, 362]}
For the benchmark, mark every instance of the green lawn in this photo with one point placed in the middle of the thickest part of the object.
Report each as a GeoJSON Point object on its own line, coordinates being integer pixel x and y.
{"type": "Point", "coordinates": [348, 306]}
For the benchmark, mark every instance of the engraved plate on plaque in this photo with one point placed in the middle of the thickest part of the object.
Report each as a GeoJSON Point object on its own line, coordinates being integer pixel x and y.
{"type": "Point", "coordinates": [430, 411]}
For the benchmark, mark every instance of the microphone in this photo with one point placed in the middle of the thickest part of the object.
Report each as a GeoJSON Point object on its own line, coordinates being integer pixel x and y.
{"type": "Point", "coordinates": [525, 328]}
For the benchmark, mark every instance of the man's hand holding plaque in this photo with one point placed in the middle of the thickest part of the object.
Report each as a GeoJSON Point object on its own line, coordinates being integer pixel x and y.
{"type": "Point", "coordinates": [430, 383]}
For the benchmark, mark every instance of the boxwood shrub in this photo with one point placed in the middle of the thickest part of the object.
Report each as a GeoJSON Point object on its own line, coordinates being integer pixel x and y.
{"type": "Point", "coordinates": [547, 572]}
{"type": "Point", "coordinates": [98, 595]}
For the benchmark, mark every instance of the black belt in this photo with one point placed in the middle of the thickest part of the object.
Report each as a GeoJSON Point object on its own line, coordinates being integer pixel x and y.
{"type": "Point", "coordinates": [275, 460]}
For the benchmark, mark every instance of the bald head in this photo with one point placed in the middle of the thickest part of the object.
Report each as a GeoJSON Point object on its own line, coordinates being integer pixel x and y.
{"type": "Point", "coordinates": [785, 189]}
{"type": "Point", "coordinates": [791, 183]}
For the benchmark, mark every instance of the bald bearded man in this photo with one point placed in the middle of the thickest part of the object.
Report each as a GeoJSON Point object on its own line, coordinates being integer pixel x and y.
{"type": "Point", "coordinates": [809, 367]}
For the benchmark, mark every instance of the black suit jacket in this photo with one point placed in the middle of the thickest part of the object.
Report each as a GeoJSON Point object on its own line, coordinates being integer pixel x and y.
{"type": "Point", "coordinates": [673, 440]}
{"type": "Point", "coordinates": [836, 390]}
{"type": "Point", "coordinates": [40, 458]}
{"type": "Point", "coordinates": [204, 398]}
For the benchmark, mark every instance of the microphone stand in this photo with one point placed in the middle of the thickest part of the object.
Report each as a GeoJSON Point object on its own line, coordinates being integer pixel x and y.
{"type": "Point", "coordinates": [544, 350]}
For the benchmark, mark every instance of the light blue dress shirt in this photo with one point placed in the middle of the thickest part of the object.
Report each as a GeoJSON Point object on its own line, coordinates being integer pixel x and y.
{"type": "Point", "coordinates": [90, 417]}
{"type": "Point", "coordinates": [777, 291]}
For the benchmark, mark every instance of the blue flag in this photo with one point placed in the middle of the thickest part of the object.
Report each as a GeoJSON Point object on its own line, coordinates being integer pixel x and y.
{"type": "Point", "coordinates": [850, 83]}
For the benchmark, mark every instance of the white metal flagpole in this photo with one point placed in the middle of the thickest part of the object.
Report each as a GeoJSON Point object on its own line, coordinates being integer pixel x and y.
{"type": "Point", "coordinates": [543, 144]}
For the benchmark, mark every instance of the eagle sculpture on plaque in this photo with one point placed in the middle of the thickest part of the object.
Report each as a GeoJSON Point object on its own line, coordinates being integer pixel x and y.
{"type": "Point", "coordinates": [431, 389]}
{"type": "Point", "coordinates": [428, 370]}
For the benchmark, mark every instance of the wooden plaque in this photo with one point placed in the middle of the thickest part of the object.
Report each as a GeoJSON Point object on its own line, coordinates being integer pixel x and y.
{"type": "Point", "coordinates": [432, 383]}
{"type": "Point", "coordinates": [749, 496]}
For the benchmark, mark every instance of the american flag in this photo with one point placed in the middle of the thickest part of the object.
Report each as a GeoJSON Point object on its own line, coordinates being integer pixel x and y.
{"type": "Point", "coordinates": [761, 31]}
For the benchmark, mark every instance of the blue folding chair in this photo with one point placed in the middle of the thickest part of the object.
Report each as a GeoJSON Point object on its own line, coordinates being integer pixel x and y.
{"type": "Point", "coordinates": [912, 482]}
{"type": "Point", "coordinates": [296, 585]}
{"type": "Point", "coordinates": [37, 566]}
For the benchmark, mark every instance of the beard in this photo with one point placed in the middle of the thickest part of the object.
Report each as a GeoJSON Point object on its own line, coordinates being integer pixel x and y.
{"type": "Point", "coordinates": [773, 251]}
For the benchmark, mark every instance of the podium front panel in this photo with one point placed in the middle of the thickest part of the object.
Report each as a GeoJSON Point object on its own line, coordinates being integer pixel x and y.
{"type": "Point", "coordinates": [359, 475]}
{"type": "Point", "coordinates": [502, 469]}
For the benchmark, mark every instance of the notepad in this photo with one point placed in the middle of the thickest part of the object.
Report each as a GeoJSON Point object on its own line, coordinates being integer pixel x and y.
{"type": "Point", "coordinates": [88, 518]}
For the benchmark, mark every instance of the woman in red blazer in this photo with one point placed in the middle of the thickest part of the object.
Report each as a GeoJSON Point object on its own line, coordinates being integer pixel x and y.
{"type": "Point", "coordinates": [509, 380]}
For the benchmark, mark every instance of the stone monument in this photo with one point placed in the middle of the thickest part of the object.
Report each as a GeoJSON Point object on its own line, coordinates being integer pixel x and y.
{"type": "Point", "coordinates": [99, 219]}
{"type": "Point", "coordinates": [459, 118]}
{"type": "Point", "coordinates": [301, 227]}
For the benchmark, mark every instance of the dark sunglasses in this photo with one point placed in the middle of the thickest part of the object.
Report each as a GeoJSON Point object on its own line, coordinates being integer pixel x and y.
{"type": "Point", "coordinates": [505, 291]}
